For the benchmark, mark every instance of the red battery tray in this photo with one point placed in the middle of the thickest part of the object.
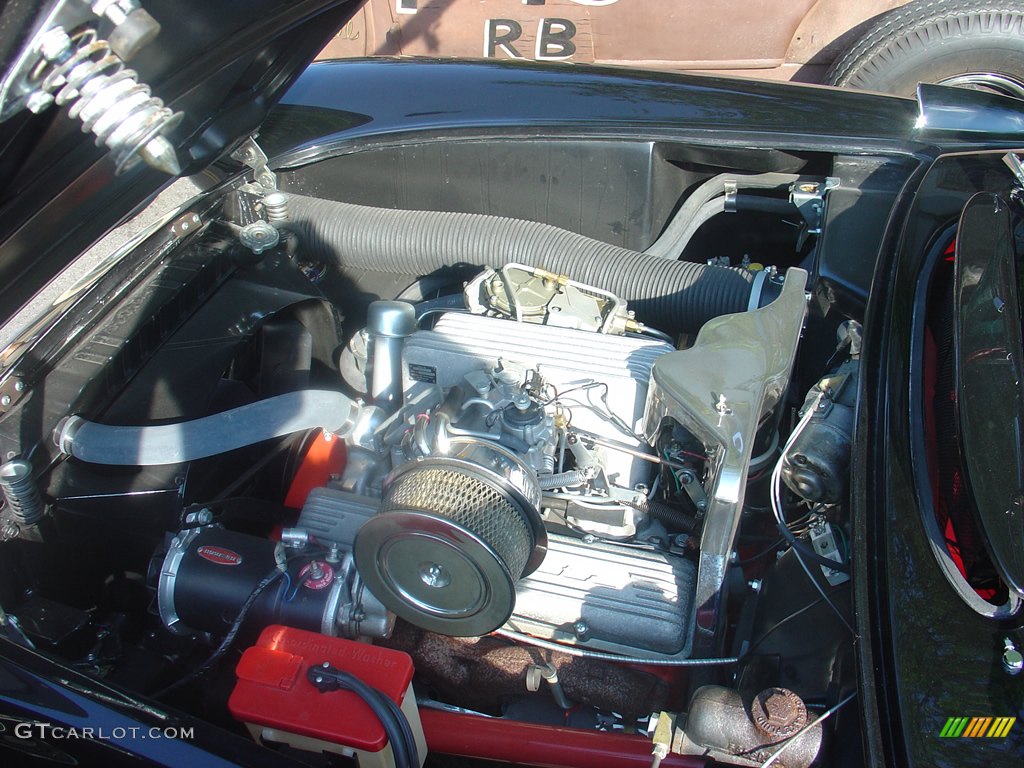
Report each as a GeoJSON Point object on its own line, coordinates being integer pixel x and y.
{"type": "Point", "coordinates": [277, 701]}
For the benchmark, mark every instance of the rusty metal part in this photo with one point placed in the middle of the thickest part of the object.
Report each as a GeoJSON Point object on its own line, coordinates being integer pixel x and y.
{"type": "Point", "coordinates": [778, 712]}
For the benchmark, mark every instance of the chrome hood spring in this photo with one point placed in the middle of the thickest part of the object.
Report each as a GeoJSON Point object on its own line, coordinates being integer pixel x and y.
{"type": "Point", "coordinates": [108, 99]}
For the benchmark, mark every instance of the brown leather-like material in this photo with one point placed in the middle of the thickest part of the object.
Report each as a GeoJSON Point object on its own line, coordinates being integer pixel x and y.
{"type": "Point", "coordinates": [482, 673]}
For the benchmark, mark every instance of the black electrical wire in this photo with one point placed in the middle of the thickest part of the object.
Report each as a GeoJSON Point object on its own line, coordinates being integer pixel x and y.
{"type": "Point", "coordinates": [396, 725]}
{"type": "Point", "coordinates": [754, 558]}
{"type": "Point", "coordinates": [652, 333]}
{"type": "Point", "coordinates": [275, 575]}
{"type": "Point", "coordinates": [781, 622]}
{"type": "Point", "coordinates": [808, 554]}
{"type": "Point", "coordinates": [804, 555]}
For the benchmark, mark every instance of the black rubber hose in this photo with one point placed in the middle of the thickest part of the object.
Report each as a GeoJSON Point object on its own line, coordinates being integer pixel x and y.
{"type": "Point", "coordinates": [672, 294]}
{"type": "Point", "coordinates": [396, 724]}
{"type": "Point", "coordinates": [700, 205]}
{"type": "Point", "coordinates": [778, 205]}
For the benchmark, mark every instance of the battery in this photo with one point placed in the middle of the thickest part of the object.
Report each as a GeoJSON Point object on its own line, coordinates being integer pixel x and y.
{"type": "Point", "coordinates": [278, 703]}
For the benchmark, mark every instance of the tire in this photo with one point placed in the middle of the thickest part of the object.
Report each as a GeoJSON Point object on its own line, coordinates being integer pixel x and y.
{"type": "Point", "coordinates": [972, 43]}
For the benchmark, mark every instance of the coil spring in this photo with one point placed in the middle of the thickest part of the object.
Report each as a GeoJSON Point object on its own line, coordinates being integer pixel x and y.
{"type": "Point", "coordinates": [108, 99]}
{"type": "Point", "coordinates": [275, 207]}
{"type": "Point", "coordinates": [20, 493]}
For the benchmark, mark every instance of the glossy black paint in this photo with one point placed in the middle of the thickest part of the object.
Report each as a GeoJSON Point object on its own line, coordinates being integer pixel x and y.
{"type": "Point", "coordinates": [926, 653]}
{"type": "Point", "coordinates": [45, 706]}
{"type": "Point", "coordinates": [341, 101]}
{"type": "Point", "coordinates": [223, 64]}
{"type": "Point", "coordinates": [989, 114]}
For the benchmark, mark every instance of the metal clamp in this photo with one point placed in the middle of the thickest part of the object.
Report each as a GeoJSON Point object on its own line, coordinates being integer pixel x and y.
{"type": "Point", "coordinates": [809, 198]}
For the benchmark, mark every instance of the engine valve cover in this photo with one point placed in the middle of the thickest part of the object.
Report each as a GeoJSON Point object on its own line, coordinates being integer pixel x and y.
{"type": "Point", "coordinates": [607, 598]}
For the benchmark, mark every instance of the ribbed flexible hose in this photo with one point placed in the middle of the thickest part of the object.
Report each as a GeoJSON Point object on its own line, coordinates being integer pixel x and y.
{"type": "Point", "coordinates": [673, 294]}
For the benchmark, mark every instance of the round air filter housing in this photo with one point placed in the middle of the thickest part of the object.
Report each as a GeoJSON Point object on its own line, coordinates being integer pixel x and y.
{"type": "Point", "coordinates": [454, 534]}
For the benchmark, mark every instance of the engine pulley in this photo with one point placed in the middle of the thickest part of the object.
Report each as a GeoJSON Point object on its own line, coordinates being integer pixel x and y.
{"type": "Point", "coordinates": [454, 535]}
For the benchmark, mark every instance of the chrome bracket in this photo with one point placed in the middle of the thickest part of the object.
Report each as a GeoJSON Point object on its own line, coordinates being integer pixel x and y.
{"type": "Point", "coordinates": [1016, 164]}
{"type": "Point", "coordinates": [250, 154]}
{"type": "Point", "coordinates": [808, 195]}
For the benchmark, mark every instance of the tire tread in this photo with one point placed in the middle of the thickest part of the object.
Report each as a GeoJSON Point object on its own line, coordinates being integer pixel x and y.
{"type": "Point", "coordinates": [908, 28]}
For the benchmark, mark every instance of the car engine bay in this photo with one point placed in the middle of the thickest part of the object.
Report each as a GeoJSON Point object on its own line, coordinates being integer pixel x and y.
{"type": "Point", "coordinates": [546, 477]}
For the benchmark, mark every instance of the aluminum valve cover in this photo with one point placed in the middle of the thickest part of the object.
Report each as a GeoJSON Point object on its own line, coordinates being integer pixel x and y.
{"type": "Point", "coordinates": [608, 598]}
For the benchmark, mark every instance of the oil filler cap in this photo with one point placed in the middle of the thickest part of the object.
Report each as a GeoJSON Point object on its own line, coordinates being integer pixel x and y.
{"type": "Point", "coordinates": [778, 712]}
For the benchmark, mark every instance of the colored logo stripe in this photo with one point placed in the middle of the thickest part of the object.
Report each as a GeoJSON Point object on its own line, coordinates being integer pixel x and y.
{"type": "Point", "coordinates": [975, 727]}
{"type": "Point", "coordinates": [1001, 727]}
{"type": "Point", "coordinates": [954, 727]}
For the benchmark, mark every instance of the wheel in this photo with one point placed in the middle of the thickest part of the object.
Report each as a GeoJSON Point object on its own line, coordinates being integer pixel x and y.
{"type": "Point", "coordinates": [971, 43]}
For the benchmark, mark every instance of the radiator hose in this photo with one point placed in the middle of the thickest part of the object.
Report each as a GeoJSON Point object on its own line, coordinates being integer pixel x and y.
{"type": "Point", "coordinates": [663, 292]}
{"type": "Point", "coordinates": [157, 444]}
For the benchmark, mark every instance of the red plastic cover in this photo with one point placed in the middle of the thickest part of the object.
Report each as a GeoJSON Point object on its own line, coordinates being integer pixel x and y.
{"type": "Point", "coordinates": [273, 689]}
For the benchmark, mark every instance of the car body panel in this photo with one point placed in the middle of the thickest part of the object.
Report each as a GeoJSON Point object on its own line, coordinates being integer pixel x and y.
{"type": "Point", "coordinates": [384, 96]}
{"type": "Point", "coordinates": [928, 655]}
{"type": "Point", "coordinates": [773, 39]}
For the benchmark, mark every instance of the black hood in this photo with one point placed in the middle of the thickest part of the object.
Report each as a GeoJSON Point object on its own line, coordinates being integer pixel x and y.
{"type": "Point", "coordinates": [218, 67]}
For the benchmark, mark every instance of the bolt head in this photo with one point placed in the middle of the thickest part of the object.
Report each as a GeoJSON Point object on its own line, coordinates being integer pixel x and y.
{"type": "Point", "coordinates": [9, 530]}
{"type": "Point", "coordinates": [434, 575]}
{"type": "Point", "coordinates": [38, 101]}
{"type": "Point", "coordinates": [5, 400]}
{"type": "Point", "coordinates": [1013, 661]}
{"type": "Point", "coordinates": [54, 44]}
{"type": "Point", "coordinates": [778, 712]}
